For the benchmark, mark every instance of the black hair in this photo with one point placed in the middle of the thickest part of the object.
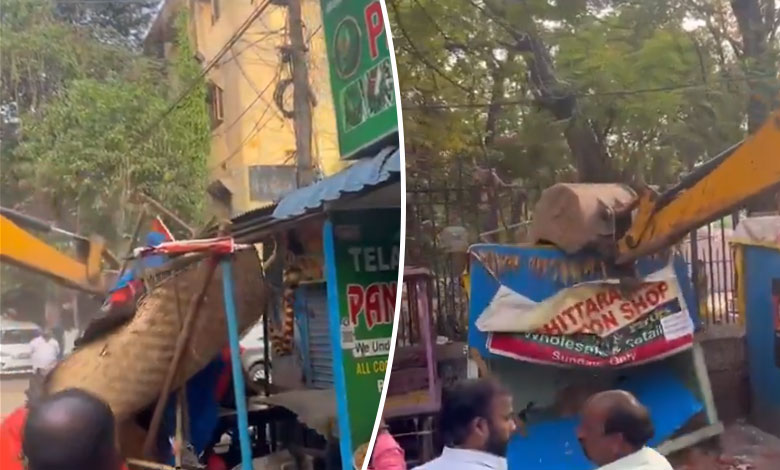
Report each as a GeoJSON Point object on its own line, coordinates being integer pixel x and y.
{"type": "Point", "coordinates": [632, 421]}
{"type": "Point", "coordinates": [461, 403]}
{"type": "Point", "coordinates": [70, 430]}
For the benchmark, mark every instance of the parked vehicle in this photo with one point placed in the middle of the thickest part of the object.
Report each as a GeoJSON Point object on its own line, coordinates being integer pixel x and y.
{"type": "Point", "coordinates": [253, 354]}
{"type": "Point", "coordinates": [15, 350]}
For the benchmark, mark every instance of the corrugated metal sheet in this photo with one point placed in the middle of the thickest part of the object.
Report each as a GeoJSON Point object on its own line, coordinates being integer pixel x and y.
{"type": "Point", "coordinates": [312, 315]}
{"type": "Point", "coordinates": [363, 174]}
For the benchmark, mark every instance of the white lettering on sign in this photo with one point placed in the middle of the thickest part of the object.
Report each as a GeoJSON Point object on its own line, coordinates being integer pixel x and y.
{"type": "Point", "coordinates": [374, 258]}
{"type": "Point", "coordinates": [677, 325]}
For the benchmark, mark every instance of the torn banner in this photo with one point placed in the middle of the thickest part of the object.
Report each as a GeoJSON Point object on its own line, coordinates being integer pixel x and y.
{"type": "Point", "coordinates": [591, 324]}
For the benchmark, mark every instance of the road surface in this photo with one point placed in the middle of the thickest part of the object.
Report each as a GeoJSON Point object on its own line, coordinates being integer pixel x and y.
{"type": "Point", "coordinates": [11, 394]}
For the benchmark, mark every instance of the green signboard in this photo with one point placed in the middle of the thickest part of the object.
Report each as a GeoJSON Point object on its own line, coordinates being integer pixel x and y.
{"type": "Point", "coordinates": [361, 75]}
{"type": "Point", "coordinates": [362, 250]}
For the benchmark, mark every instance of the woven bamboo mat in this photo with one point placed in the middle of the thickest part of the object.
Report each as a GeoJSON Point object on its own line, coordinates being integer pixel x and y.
{"type": "Point", "coordinates": [127, 367]}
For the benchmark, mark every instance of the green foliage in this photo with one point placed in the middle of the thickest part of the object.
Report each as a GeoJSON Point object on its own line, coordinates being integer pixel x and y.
{"type": "Point", "coordinates": [86, 107]}
{"type": "Point", "coordinates": [656, 95]}
{"type": "Point", "coordinates": [111, 22]}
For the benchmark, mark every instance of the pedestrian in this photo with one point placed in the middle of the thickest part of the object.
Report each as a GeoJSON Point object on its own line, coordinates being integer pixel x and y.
{"type": "Point", "coordinates": [477, 421]}
{"type": "Point", "coordinates": [45, 352]}
{"type": "Point", "coordinates": [388, 454]}
{"type": "Point", "coordinates": [614, 433]}
{"type": "Point", "coordinates": [54, 325]}
{"type": "Point", "coordinates": [70, 430]}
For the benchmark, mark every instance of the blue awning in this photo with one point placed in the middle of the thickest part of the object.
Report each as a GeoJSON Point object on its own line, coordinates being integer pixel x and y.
{"type": "Point", "coordinates": [362, 175]}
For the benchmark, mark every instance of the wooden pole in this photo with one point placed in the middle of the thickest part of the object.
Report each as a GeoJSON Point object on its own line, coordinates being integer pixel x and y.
{"type": "Point", "coordinates": [160, 208]}
{"type": "Point", "coordinates": [136, 232]}
{"type": "Point", "coordinates": [181, 344]}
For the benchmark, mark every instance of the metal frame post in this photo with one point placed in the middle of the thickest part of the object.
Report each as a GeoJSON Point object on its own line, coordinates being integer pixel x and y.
{"type": "Point", "coordinates": [235, 363]}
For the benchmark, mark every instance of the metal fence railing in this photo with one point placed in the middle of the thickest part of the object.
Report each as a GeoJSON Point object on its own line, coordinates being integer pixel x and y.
{"type": "Point", "coordinates": [484, 212]}
{"type": "Point", "coordinates": [493, 212]}
{"type": "Point", "coordinates": [711, 262]}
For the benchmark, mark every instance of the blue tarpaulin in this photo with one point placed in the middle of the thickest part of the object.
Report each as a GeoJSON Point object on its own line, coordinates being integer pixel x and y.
{"type": "Point", "coordinates": [363, 174]}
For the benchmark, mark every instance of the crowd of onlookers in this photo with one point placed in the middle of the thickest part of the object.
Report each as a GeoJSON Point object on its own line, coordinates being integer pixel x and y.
{"type": "Point", "coordinates": [477, 421]}
{"type": "Point", "coordinates": [73, 430]}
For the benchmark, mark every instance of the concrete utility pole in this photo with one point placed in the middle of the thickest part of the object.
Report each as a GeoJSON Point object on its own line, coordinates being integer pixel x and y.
{"type": "Point", "coordinates": [301, 102]}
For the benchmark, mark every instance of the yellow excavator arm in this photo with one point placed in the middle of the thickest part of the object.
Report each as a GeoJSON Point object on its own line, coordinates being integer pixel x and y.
{"type": "Point", "coordinates": [719, 187]}
{"type": "Point", "coordinates": [622, 224]}
{"type": "Point", "coordinates": [20, 248]}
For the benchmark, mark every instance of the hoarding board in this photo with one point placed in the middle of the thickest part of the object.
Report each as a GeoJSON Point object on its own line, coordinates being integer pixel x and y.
{"type": "Point", "coordinates": [361, 75]}
{"type": "Point", "coordinates": [362, 254]}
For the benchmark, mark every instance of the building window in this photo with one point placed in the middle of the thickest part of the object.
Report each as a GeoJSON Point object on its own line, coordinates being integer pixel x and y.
{"type": "Point", "coordinates": [214, 11]}
{"type": "Point", "coordinates": [216, 110]}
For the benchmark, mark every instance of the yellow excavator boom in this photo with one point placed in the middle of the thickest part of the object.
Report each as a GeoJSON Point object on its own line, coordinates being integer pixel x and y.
{"type": "Point", "coordinates": [726, 183]}
{"type": "Point", "coordinates": [623, 224]}
{"type": "Point", "coordinates": [22, 249]}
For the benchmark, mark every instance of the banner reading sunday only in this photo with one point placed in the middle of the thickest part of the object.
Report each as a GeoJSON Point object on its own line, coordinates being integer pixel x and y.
{"type": "Point", "coordinates": [367, 247]}
{"type": "Point", "coordinates": [591, 324]}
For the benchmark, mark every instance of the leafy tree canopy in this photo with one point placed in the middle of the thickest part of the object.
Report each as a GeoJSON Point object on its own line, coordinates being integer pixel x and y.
{"type": "Point", "coordinates": [80, 123]}
{"type": "Point", "coordinates": [580, 90]}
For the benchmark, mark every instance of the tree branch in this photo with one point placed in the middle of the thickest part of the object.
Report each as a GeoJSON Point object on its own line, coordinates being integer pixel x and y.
{"type": "Point", "coordinates": [416, 52]}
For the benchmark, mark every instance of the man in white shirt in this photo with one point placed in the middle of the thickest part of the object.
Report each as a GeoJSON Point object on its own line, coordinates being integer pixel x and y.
{"type": "Point", "coordinates": [45, 351]}
{"type": "Point", "coordinates": [477, 421]}
{"type": "Point", "coordinates": [614, 432]}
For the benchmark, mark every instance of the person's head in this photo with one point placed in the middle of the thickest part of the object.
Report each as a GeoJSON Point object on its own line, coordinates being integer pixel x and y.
{"type": "Point", "coordinates": [478, 415]}
{"type": "Point", "coordinates": [70, 430]}
{"type": "Point", "coordinates": [46, 334]}
{"type": "Point", "coordinates": [614, 424]}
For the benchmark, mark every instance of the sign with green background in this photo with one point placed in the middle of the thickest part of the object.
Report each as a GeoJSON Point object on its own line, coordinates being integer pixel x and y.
{"type": "Point", "coordinates": [361, 75]}
{"type": "Point", "coordinates": [365, 250]}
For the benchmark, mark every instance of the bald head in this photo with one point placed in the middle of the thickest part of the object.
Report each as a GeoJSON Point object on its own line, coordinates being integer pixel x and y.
{"type": "Point", "coordinates": [614, 424]}
{"type": "Point", "coordinates": [70, 430]}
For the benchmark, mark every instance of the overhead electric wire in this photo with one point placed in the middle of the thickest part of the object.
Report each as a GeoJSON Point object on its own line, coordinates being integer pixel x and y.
{"type": "Point", "coordinates": [613, 93]}
{"type": "Point", "coordinates": [259, 97]}
{"type": "Point", "coordinates": [212, 63]}
{"type": "Point", "coordinates": [256, 128]}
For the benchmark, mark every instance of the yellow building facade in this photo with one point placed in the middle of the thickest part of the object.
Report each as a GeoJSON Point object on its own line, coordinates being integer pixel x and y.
{"type": "Point", "coordinates": [253, 159]}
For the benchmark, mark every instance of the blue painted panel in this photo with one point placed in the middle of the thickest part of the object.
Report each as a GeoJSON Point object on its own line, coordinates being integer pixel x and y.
{"type": "Point", "coordinates": [312, 317]}
{"type": "Point", "coordinates": [553, 445]}
{"type": "Point", "coordinates": [334, 324]}
{"type": "Point", "coordinates": [528, 283]}
{"type": "Point", "coordinates": [761, 267]}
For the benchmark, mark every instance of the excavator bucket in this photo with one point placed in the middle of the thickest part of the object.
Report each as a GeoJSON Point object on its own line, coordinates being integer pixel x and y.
{"type": "Point", "coordinates": [576, 217]}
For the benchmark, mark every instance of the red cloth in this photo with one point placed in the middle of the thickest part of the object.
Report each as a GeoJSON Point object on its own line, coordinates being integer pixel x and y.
{"type": "Point", "coordinates": [215, 462]}
{"type": "Point", "coordinates": [226, 376]}
{"type": "Point", "coordinates": [11, 432]}
{"type": "Point", "coordinates": [388, 454]}
{"type": "Point", "coordinates": [159, 226]}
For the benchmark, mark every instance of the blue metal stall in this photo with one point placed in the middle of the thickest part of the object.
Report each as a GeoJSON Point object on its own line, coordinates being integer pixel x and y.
{"type": "Point", "coordinates": [672, 382]}
{"type": "Point", "coordinates": [758, 271]}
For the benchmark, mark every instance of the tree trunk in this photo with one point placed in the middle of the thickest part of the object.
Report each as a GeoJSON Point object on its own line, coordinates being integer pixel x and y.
{"type": "Point", "coordinates": [497, 95]}
{"type": "Point", "coordinates": [757, 30]}
{"type": "Point", "coordinates": [590, 156]}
